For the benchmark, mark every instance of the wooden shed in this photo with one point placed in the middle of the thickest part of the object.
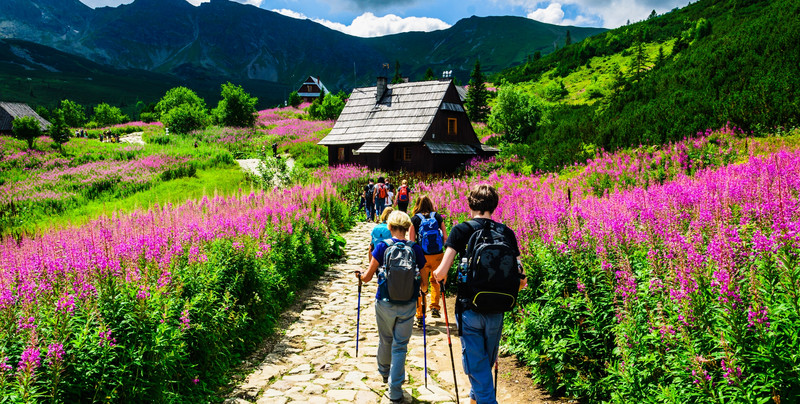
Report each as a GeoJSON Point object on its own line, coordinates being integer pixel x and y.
{"type": "Point", "coordinates": [13, 110]}
{"type": "Point", "coordinates": [311, 89]}
{"type": "Point", "coordinates": [417, 126]}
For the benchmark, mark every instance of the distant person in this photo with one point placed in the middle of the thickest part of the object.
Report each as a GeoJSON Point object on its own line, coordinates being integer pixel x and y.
{"type": "Point", "coordinates": [403, 196]}
{"type": "Point", "coordinates": [396, 261]}
{"type": "Point", "coordinates": [195, 144]}
{"type": "Point", "coordinates": [379, 195]}
{"type": "Point", "coordinates": [381, 231]}
{"type": "Point", "coordinates": [369, 199]}
{"type": "Point", "coordinates": [427, 229]}
{"type": "Point", "coordinates": [275, 149]}
{"type": "Point", "coordinates": [389, 186]}
{"type": "Point", "coordinates": [479, 313]}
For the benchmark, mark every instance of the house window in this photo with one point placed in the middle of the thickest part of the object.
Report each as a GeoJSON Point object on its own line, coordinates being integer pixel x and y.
{"type": "Point", "coordinates": [341, 154]}
{"type": "Point", "coordinates": [452, 126]}
{"type": "Point", "coordinates": [402, 154]}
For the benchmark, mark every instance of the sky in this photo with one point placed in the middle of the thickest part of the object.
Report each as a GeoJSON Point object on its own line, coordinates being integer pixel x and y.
{"type": "Point", "coordinates": [370, 18]}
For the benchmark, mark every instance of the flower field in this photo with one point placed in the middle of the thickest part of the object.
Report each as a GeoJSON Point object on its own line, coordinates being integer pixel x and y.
{"type": "Point", "coordinates": [157, 305]}
{"type": "Point", "coordinates": [663, 275]}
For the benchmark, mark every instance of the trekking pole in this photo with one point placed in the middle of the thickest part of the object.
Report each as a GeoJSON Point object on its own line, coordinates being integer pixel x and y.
{"type": "Point", "coordinates": [449, 342]}
{"type": "Point", "coordinates": [358, 310]}
{"type": "Point", "coordinates": [496, 365]}
{"type": "Point", "coordinates": [424, 339]}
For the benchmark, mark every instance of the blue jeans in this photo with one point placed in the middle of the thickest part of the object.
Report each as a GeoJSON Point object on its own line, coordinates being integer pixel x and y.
{"type": "Point", "coordinates": [480, 341]}
{"type": "Point", "coordinates": [395, 323]}
{"type": "Point", "coordinates": [380, 204]}
{"type": "Point", "coordinates": [370, 212]}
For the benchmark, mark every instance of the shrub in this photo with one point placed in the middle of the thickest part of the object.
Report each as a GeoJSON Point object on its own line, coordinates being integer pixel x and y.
{"type": "Point", "coordinates": [106, 115]}
{"type": "Point", "coordinates": [236, 108]}
{"type": "Point", "coordinates": [26, 128]}
{"type": "Point", "coordinates": [74, 113]}
{"type": "Point", "coordinates": [186, 118]}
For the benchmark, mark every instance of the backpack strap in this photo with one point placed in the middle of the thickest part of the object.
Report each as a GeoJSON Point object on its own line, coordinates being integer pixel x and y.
{"type": "Point", "coordinates": [433, 215]}
{"type": "Point", "coordinates": [421, 216]}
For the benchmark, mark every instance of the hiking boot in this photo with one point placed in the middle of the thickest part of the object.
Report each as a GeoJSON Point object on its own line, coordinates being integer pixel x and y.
{"type": "Point", "coordinates": [420, 322]}
{"type": "Point", "coordinates": [385, 378]}
{"type": "Point", "coordinates": [435, 313]}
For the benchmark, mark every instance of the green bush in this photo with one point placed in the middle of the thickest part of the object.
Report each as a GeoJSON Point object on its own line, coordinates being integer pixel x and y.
{"type": "Point", "coordinates": [186, 118]}
{"type": "Point", "coordinates": [106, 115]}
{"type": "Point", "coordinates": [236, 108]}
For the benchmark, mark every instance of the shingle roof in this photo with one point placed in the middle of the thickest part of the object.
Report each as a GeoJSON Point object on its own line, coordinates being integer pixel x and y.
{"type": "Point", "coordinates": [18, 110]}
{"type": "Point", "coordinates": [372, 147]}
{"type": "Point", "coordinates": [317, 82]}
{"type": "Point", "coordinates": [449, 148]}
{"type": "Point", "coordinates": [403, 115]}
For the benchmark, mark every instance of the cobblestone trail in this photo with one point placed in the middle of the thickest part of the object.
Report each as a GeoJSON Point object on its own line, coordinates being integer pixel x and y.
{"type": "Point", "coordinates": [314, 361]}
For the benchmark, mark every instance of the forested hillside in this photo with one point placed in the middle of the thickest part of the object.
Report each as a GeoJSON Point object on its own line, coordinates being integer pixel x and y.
{"type": "Point", "coordinates": [671, 76]}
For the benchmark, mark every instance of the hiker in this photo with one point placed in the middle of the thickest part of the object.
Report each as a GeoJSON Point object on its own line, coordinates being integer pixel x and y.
{"type": "Point", "coordinates": [403, 196]}
{"type": "Point", "coordinates": [389, 186]}
{"type": "Point", "coordinates": [275, 149]}
{"type": "Point", "coordinates": [379, 195]}
{"type": "Point", "coordinates": [381, 231]}
{"type": "Point", "coordinates": [370, 201]}
{"type": "Point", "coordinates": [480, 320]}
{"type": "Point", "coordinates": [427, 229]}
{"type": "Point", "coordinates": [398, 289]}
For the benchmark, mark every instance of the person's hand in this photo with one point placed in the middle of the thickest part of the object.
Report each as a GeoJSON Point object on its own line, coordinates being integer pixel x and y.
{"type": "Point", "coordinates": [358, 274]}
{"type": "Point", "coordinates": [523, 283]}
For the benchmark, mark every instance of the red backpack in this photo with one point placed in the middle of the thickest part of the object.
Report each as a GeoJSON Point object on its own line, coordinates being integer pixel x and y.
{"type": "Point", "coordinates": [402, 194]}
{"type": "Point", "coordinates": [380, 191]}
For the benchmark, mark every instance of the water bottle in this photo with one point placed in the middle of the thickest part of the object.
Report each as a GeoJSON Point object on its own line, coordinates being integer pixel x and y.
{"type": "Point", "coordinates": [462, 270]}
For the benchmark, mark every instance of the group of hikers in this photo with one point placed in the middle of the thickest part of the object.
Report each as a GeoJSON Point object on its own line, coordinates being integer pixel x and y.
{"type": "Point", "coordinates": [409, 254]}
{"type": "Point", "coordinates": [109, 136]}
{"type": "Point", "coordinates": [377, 196]}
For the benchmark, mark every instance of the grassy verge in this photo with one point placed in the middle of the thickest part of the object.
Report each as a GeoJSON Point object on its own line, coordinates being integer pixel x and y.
{"type": "Point", "coordinates": [216, 181]}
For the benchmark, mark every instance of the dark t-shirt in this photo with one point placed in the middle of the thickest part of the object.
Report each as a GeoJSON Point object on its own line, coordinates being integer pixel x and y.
{"type": "Point", "coordinates": [460, 234]}
{"type": "Point", "coordinates": [380, 249]}
{"type": "Point", "coordinates": [416, 221]}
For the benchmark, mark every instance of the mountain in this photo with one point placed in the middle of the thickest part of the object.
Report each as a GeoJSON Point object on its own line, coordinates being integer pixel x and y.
{"type": "Point", "coordinates": [226, 39]}
{"type": "Point", "coordinates": [711, 64]}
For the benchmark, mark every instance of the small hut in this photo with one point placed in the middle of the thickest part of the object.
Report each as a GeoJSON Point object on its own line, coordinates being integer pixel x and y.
{"type": "Point", "coordinates": [9, 111]}
{"type": "Point", "coordinates": [311, 88]}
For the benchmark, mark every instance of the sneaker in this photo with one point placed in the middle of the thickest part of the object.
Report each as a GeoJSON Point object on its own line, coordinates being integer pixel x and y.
{"type": "Point", "coordinates": [435, 313]}
{"type": "Point", "coordinates": [385, 379]}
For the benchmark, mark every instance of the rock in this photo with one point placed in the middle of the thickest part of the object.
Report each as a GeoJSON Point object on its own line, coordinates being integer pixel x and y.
{"type": "Point", "coordinates": [299, 378]}
{"type": "Point", "coordinates": [332, 375]}
{"type": "Point", "coordinates": [272, 400]}
{"type": "Point", "coordinates": [342, 395]}
{"type": "Point", "coordinates": [314, 390]}
{"type": "Point", "coordinates": [354, 377]}
{"type": "Point", "coordinates": [302, 369]}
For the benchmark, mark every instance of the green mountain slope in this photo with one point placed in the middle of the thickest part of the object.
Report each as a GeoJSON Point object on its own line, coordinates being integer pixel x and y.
{"type": "Point", "coordinates": [724, 61]}
{"type": "Point", "coordinates": [40, 75]}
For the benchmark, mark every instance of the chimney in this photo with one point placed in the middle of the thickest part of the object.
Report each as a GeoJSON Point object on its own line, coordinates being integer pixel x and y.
{"type": "Point", "coordinates": [381, 88]}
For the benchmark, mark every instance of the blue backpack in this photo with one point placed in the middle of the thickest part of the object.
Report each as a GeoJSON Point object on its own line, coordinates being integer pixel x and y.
{"type": "Point", "coordinates": [430, 234]}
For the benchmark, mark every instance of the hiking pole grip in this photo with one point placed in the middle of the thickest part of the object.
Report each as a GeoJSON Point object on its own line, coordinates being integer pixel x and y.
{"type": "Point", "coordinates": [449, 342]}
{"type": "Point", "coordinates": [358, 310]}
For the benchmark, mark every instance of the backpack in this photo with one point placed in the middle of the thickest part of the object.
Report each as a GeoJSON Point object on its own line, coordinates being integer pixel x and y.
{"type": "Point", "coordinates": [380, 191]}
{"type": "Point", "coordinates": [402, 194]}
{"type": "Point", "coordinates": [370, 188]}
{"type": "Point", "coordinates": [430, 234]}
{"type": "Point", "coordinates": [398, 277]}
{"type": "Point", "coordinates": [489, 281]}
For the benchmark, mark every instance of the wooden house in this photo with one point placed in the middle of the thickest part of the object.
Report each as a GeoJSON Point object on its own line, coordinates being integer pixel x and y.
{"type": "Point", "coordinates": [311, 89]}
{"type": "Point", "coordinates": [417, 126]}
{"type": "Point", "coordinates": [13, 110]}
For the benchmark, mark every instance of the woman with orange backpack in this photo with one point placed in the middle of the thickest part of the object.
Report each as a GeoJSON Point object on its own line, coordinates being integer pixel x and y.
{"type": "Point", "coordinates": [403, 196]}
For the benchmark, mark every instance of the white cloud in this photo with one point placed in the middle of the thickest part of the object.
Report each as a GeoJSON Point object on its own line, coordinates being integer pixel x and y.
{"type": "Point", "coordinates": [608, 13]}
{"type": "Point", "coordinates": [369, 25]}
{"type": "Point", "coordinates": [553, 14]}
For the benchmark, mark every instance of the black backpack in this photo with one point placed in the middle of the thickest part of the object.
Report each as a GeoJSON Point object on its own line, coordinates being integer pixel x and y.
{"type": "Point", "coordinates": [398, 277]}
{"type": "Point", "coordinates": [489, 282]}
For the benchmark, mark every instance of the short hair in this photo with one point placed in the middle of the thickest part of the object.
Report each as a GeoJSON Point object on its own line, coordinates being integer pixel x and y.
{"type": "Point", "coordinates": [386, 212]}
{"type": "Point", "coordinates": [380, 179]}
{"type": "Point", "coordinates": [398, 220]}
{"type": "Point", "coordinates": [405, 182]}
{"type": "Point", "coordinates": [483, 198]}
{"type": "Point", "coordinates": [423, 204]}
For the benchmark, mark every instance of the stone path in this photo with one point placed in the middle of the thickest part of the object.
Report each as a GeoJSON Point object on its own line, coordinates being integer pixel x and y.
{"type": "Point", "coordinates": [134, 138]}
{"type": "Point", "coordinates": [251, 165]}
{"type": "Point", "coordinates": [314, 361]}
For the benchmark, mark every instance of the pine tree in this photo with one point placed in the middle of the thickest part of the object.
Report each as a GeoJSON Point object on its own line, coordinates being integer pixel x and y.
{"type": "Point", "coordinates": [398, 78]}
{"type": "Point", "coordinates": [568, 41]}
{"type": "Point", "coordinates": [429, 76]}
{"type": "Point", "coordinates": [477, 96]}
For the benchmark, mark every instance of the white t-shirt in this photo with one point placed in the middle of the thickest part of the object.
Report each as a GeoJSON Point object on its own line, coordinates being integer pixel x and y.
{"type": "Point", "coordinates": [389, 196]}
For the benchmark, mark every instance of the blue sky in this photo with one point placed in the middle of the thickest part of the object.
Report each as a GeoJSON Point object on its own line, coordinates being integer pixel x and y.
{"type": "Point", "coordinates": [368, 18]}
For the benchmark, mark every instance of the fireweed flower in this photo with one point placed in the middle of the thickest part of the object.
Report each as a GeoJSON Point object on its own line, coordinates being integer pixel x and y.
{"type": "Point", "coordinates": [185, 320]}
{"type": "Point", "coordinates": [106, 339]}
{"type": "Point", "coordinates": [55, 353]}
{"type": "Point", "coordinates": [29, 361]}
{"type": "Point", "coordinates": [4, 366]}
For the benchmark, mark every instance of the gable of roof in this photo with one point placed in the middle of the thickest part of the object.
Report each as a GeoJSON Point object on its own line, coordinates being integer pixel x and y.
{"type": "Point", "coordinates": [14, 110]}
{"type": "Point", "coordinates": [315, 81]}
{"type": "Point", "coordinates": [404, 114]}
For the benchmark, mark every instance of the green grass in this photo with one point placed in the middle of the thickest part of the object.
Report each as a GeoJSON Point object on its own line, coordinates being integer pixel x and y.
{"type": "Point", "coordinates": [216, 181]}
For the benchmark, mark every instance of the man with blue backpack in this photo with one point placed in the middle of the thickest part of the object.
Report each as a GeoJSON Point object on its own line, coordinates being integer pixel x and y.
{"type": "Point", "coordinates": [427, 229]}
{"type": "Point", "coordinates": [396, 262]}
{"type": "Point", "coordinates": [489, 279]}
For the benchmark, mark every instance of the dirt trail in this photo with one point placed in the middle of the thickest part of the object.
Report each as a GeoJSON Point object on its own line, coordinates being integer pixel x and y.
{"type": "Point", "coordinates": [314, 360]}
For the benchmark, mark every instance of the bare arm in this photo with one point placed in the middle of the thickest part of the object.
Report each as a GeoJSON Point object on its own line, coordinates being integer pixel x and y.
{"type": "Point", "coordinates": [412, 235]}
{"type": "Point", "coordinates": [373, 266]}
{"type": "Point", "coordinates": [444, 232]}
{"type": "Point", "coordinates": [447, 261]}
